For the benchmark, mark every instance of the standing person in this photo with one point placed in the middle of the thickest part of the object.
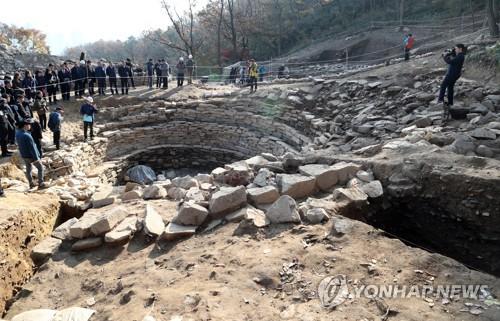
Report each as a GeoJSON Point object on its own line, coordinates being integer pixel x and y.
{"type": "Point", "coordinates": [130, 69]}
{"type": "Point", "coordinates": [158, 73]}
{"type": "Point", "coordinates": [2, 193]}
{"type": "Point", "coordinates": [51, 81]}
{"type": "Point", "coordinates": [21, 106]}
{"type": "Point", "coordinates": [455, 60]}
{"type": "Point", "coordinates": [28, 84]}
{"type": "Point", "coordinates": [150, 71]}
{"type": "Point", "coordinates": [64, 75]}
{"type": "Point", "coordinates": [41, 109]}
{"type": "Point", "coordinates": [6, 125]}
{"type": "Point", "coordinates": [100, 74]}
{"type": "Point", "coordinates": [77, 81]}
{"type": "Point", "coordinates": [123, 73]}
{"type": "Point", "coordinates": [111, 72]}
{"type": "Point", "coordinates": [40, 82]}
{"type": "Point", "coordinates": [409, 42]}
{"type": "Point", "coordinates": [190, 68]}
{"type": "Point", "coordinates": [11, 115]}
{"type": "Point", "coordinates": [165, 72]}
{"type": "Point", "coordinates": [29, 152]}
{"type": "Point", "coordinates": [55, 122]}
{"type": "Point", "coordinates": [36, 133]}
{"type": "Point", "coordinates": [16, 81]}
{"type": "Point", "coordinates": [181, 67]}
{"type": "Point", "coordinates": [253, 74]}
{"type": "Point", "coordinates": [91, 77]}
{"type": "Point", "coordinates": [262, 73]}
{"type": "Point", "coordinates": [88, 111]}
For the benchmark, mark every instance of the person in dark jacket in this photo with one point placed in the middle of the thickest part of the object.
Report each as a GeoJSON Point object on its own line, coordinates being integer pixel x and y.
{"type": "Point", "coordinates": [91, 78]}
{"type": "Point", "coordinates": [11, 115]}
{"type": "Point", "coordinates": [130, 70]}
{"type": "Point", "coordinates": [111, 72]}
{"type": "Point", "coordinates": [158, 73]}
{"type": "Point", "coordinates": [40, 82]}
{"type": "Point", "coordinates": [150, 71]}
{"type": "Point", "coordinates": [22, 107]}
{"type": "Point", "coordinates": [165, 72]}
{"type": "Point", "coordinates": [88, 111]}
{"type": "Point", "coordinates": [6, 125]}
{"type": "Point", "coordinates": [190, 68]}
{"type": "Point", "coordinates": [52, 82]}
{"type": "Point", "coordinates": [36, 133]}
{"type": "Point", "coordinates": [181, 68]}
{"type": "Point", "coordinates": [29, 152]}
{"type": "Point", "coordinates": [28, 84]}
{"type": "Point", "coordinates": [55, 122]}
{"type": "Point", "coordinates": [41, 109]}
{"type": "Point", "coordinates": [64, 76]}
{"type": "Point", "coordinates": [77, 78]}
{"type": "Point", "coordinates": [124, 74]}
{"type": "Point", "coordinates": [16, 81]}
{"type": "Point", "coordinates": [455, 60]}
{"type": "Point", "coordinates": [100, 74]}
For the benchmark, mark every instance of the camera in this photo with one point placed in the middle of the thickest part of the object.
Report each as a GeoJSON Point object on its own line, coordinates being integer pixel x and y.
{"type": "Point", "coordinates": [450, 52]}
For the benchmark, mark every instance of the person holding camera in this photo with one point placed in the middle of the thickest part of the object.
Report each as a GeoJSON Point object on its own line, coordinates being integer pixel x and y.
{"type": "Point", "coordinates": [455, 59]}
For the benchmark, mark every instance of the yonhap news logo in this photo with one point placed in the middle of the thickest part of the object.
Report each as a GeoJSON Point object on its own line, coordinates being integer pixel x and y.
{"type": "Point", "coordinates": [335, 290]}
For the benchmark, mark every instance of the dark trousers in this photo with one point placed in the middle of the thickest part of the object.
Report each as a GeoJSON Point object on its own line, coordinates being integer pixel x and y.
{"type": "Point", "coordinates": [79, 88]}
{"type": "Point", "coordinates": [91, 87]}
{"type": "Point", "coordinates": [190, 76]}
{"type": "Point", "coordinates": [112, 84]}
{"type": "Point", "coordinates": [124, 85]}
{"type": "Point", "coordinates": [43, 120]}
{"type": "Point", "coordinates": [158, 81]}
{"type": "Point", "coordinates": [448, 84]}
{"type": "Point", "coordinates": [407, 54]}
{"type": "Point", "coordinates": [132, 81]}
{"type": "Point", "coordinates": [180, 80]}
{"type": "Point", "coordinates": [101, 84]}
{"type": "Point", "coordinates": [4, 135]}
{"type": "Point", "coordinates": [29, 163]}
{"type": "Point", "coordinates": [11, 136]}
{"type": "Point", "coordinates": [51, 92]}
{"type": "Point", "coordinates": [86, 127]}
{"type": "Point", "coordinates": [38, 143]}
{"type": "Point", "coordinates": [165, 82]}
{"type": "Point", "coordinates": [65, 89]}
{"type": "Point", "coordinates": [253, 82]}
{"type": "Point", "coordinates": [57, 139]}
{"type": "Point", "coordinates": [150, 81]}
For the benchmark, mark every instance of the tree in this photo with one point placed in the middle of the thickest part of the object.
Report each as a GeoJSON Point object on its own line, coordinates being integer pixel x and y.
{"type": "Point", "coordinates": [492, 21]}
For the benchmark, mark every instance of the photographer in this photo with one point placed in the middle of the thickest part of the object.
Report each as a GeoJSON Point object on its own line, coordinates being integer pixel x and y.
{"type": "Point", "coordinates": [455, 59]}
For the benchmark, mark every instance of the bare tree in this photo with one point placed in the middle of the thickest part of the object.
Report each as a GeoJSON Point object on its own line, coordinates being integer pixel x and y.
{"type": "Point", "coordinates": [401, 11]}
{"type": "Point", "coordinates": [219, 31]}
{"type": "Point", "coordinates": [232, 28]}
{"type": "Point", "coordinates": [183, 26]}
{"type": "Point", "coordinates": [492, 21]}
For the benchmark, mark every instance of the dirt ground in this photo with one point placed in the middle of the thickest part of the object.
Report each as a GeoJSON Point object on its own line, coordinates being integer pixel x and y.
{"type": "Point", "coordinates": [237, 272]}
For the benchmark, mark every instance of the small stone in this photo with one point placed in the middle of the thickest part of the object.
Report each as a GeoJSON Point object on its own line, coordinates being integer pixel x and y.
{"type": "Point", "coordinates": [176, 193]}
{"type": "Point", "coordinates": [154, 192]}
{"type": "Point", "coordinates": [185, 182]}
{"type": "Point", "coordinates": [483, 133]}
{"type": "Point", "coordinates": [373, 189]}
{"type": "Point", "coordinates": [316, 215]}
{"type": "Point", "coordinates": [132, 195]}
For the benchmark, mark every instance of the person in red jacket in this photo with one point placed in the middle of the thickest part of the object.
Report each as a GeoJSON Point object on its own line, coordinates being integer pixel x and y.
{"type": "Point", "coordinates": [409, 42]}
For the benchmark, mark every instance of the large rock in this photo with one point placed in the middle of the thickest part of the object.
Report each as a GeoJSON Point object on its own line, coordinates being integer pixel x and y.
{"type": "Point", "coordinates": [36, 315]}
{"type": "Point", "coordinates": [263, 177]}
{"type": "Point", "coordinates": [204, 178]}
{"type": "Point", "coordinates": [123, 231]}
{"type": "Point", "coordinates": [134, 194]}
{"type": "Point", "coordinates": [154, 192]}
{"type": "Point", "coordinates": [345, 171]}
{"type": "Point", "coordinates": [45, 249]}
{"type": "Point", "coordinates": [109, 219]}
{"type": "Point", "coordinates": [326, 177]}
{"type": "Point", "coordinates": [175, 231]}
{"type": "Point", "coordinates": [87, 244]}
{"type": "Point", "coordinates": [176, 193]}
{"type": "Point", "coordinates": [263, 195]}
{"type": "Point", "coordinates": [190, 214]}
{"type": "Point", "coordinates": [62, 232]}
{"type": "Point", "coordinates": [227, 199]}
{"type": "Point", "coordinates": [185, 182]}
{"type": "Point", "coordinates": [316, 215]}
{"type": "Point", "coordinates": [353, 194]}
{"type": "Point", "coordinates": [141, 174]}
{"type": "Point", "coordinates": [258, 217]}
{"type": "Point", "coordinates": [483, 133]}
{"type": "Point", "coordinates": [103, 197]}
{"type": "Point", "coordinates": [295, 185]}
{"type": "Point", "coordinates": [74, 314]}
{"type": "Point", "coordinates": [373, 189]}
{"type": "Point", "coordinates": [153, 222]}
{"type": "Point", "coordinates": [284, 210]}
{"type": "Point", "coordinates": [81, 229]}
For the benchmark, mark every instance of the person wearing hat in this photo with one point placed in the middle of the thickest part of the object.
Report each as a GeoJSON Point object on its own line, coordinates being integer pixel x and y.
{"type": "Point", "coordinates": [190, 67]}
{"type": "Point", "coordinates": [29, 152]}
{"type": "Point", "coordinates": [55, 120]}
{"type": "Point", "coordinates": [6, 125]}
{"type": "Point", "coordinates": [181, 68]}
{"type": "Point", "coordinates": [88, 111]}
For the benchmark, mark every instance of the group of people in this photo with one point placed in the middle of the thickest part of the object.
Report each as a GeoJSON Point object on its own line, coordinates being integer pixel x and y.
{"type": "Point", "coordinates": [162, 70]}
{"type": "Point", "coordinates": [249, 74]}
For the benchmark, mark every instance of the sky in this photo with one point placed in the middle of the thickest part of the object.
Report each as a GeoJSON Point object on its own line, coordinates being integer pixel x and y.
{"type": "Point", "coordinates": [68, 23]}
